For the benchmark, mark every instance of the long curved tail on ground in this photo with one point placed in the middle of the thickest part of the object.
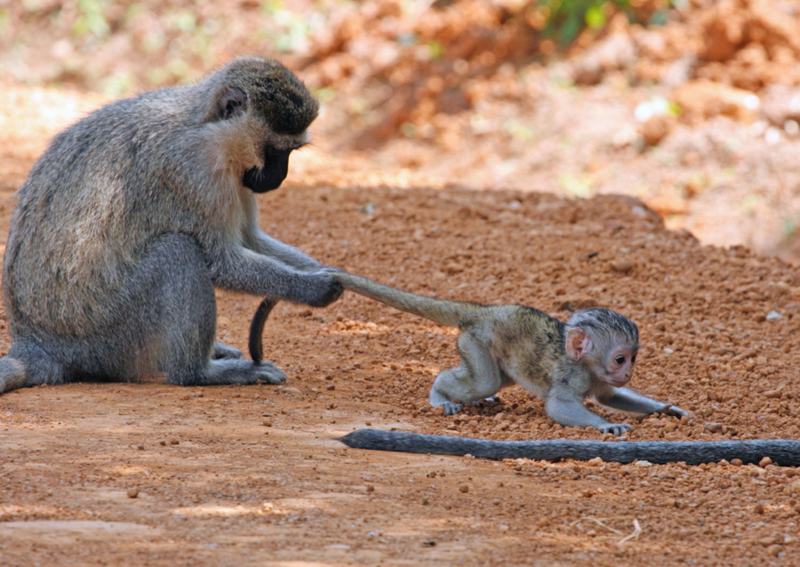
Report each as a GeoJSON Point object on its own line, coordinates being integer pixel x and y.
{"type": "Point", "coordinates": [13, 374]}
{"type": "Point", "coordinates": [442, 311]}
{"type": "Point", "coordinates": [783, 452]}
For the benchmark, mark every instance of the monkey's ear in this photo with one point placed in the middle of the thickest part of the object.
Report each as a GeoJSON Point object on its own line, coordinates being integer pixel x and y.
{"type": "Point", "coordinates": [579, 343]}
{"type": "Point", "coordinates": [231, 102]}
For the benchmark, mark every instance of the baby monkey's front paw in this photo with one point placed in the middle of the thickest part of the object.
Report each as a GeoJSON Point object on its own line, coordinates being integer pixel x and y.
{"type": "Point", "coordinates": [676, 411]}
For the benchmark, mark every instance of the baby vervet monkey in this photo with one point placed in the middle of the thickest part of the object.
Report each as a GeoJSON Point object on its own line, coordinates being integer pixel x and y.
{"type": "Point", "coordinates": [592, 354]}
{"type": "Point", "coordinates": [135, 213]}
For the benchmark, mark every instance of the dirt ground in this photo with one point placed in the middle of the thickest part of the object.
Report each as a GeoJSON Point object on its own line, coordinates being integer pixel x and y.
{"type": "Point", "coordinates": [148, 474]}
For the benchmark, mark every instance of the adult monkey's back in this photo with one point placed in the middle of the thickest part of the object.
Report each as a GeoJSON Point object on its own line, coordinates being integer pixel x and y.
{"type": "Point", "coordinates": [135, 213]}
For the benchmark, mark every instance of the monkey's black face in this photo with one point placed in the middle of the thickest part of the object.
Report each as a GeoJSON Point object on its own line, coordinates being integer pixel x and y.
{"type": "Point", "coordinates": [269, 177]}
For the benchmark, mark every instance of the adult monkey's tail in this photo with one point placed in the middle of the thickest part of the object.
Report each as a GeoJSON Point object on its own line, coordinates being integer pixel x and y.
{"type": "Point", "coordinates": [783, 452]}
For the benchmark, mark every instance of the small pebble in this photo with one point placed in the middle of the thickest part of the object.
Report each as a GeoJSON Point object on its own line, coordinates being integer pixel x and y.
{"type": "Point", "coordinates": [758, 509]}
{"type": "Point", "coordinates": [737, 462]}
{"type": "Point", "coordinates": [543, 522]}
{"type": "Point", "coordinates": [140, 447]}
{"type": "Point", "coordinates": [463, 488]}
{"type": "Point", "coordinates": [133, 492]}
{"type": "Point", "coordinates": [713, 427]}
{"type": "Point", "coordinates": [775, 550]}
{"type": "Point", "coordinates": [764, 462]}
{"type": "Point", "coordinates": [622, 267]}
{"type": "Point", "coordinates": [370, 488]}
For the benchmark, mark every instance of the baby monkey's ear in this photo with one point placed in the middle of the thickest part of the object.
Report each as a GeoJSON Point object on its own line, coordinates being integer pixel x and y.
{"type": "Point", "coordinates": [231, 102]}
{"type": "Point", "coordinates": [579, 343]}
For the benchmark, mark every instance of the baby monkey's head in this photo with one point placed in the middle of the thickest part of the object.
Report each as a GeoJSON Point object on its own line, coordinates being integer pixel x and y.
{"type": "Point", "coordinates": [605, 342]}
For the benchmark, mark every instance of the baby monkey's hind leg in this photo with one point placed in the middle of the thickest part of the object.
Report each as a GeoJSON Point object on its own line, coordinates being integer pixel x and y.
{"type": "Point", "coordinates": [476, 378]}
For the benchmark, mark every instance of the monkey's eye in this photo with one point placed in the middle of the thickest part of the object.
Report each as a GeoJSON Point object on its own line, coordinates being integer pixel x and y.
{"type": "Point", "coordinates": [633, 359]}
{"type": "Point", "coordinates": [620, 359]}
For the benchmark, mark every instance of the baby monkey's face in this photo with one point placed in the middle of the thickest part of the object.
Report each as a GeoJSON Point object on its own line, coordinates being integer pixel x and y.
{"type": "Point", "coordinates": [618, 367]}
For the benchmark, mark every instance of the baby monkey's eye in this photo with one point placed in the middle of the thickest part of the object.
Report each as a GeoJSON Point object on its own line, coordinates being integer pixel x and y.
{"type": "Point", "coordinates": [633, 359]}
{"type": "Point", "coordinates": [620, 359]}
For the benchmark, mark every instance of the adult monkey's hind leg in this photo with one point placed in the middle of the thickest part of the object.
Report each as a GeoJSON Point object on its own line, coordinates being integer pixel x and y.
{"type": "Point", "coordinates": [174, 288]}
{"type": "Point", "coordinates": [222, 350]}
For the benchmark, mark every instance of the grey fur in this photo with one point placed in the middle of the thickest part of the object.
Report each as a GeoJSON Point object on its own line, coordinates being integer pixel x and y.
{"type": "Point", "coordinates": [502, 345]}
{"type": "Point", "coordinates": [783, 452]}
{"type": "Point", "coordinates": [135, 213]}
{"type": "Point", "coordinates": [604, 323]}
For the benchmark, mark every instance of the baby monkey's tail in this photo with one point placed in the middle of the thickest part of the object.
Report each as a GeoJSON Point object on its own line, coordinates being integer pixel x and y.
{"type": "Point", "coordinates": [442, 311]}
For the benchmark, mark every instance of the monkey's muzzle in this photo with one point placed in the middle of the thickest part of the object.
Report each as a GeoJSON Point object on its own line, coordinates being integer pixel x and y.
{"type": "Point", "coordinates": [269, 177]}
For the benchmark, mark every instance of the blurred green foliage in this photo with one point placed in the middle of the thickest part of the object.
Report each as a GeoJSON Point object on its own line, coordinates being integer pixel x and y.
{"type": "Point", "coordinates": [91, 19]}
{"type": "Point", "coordinates": [565, 19]}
